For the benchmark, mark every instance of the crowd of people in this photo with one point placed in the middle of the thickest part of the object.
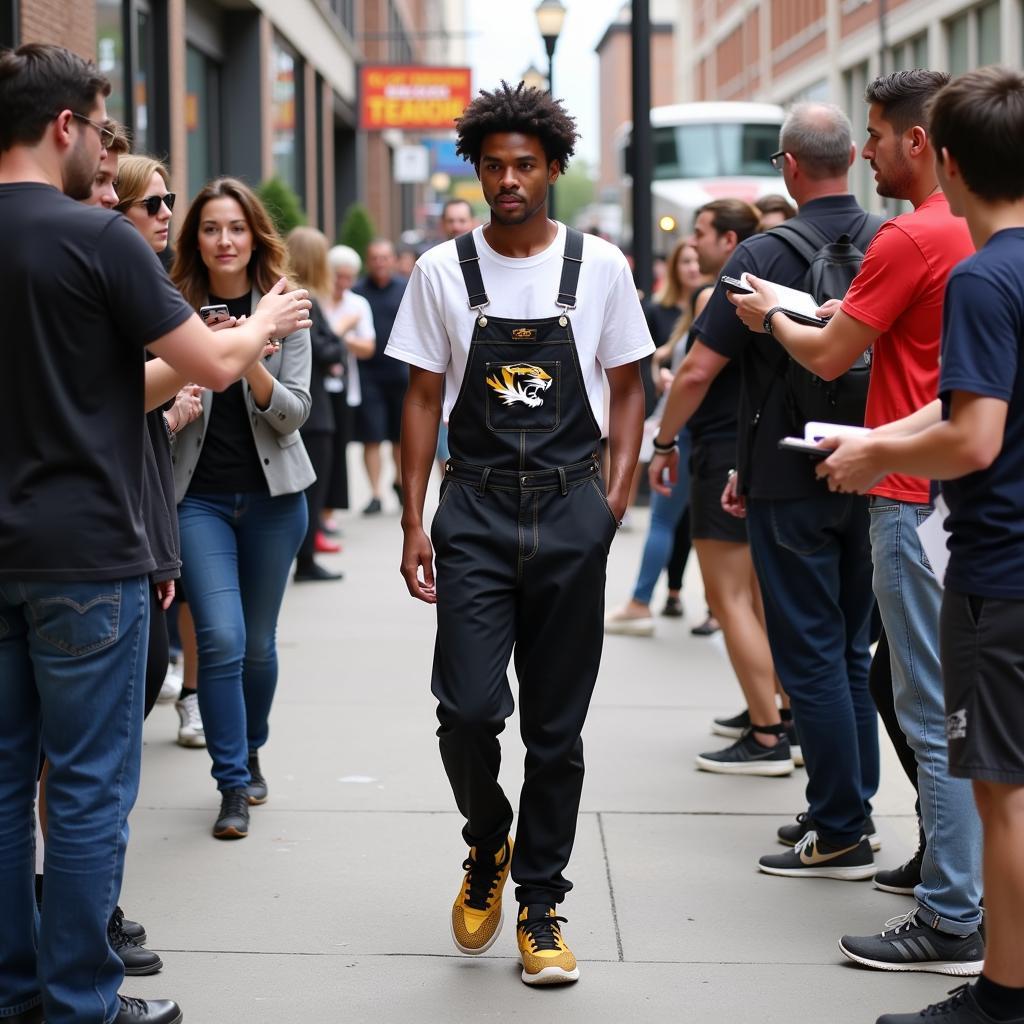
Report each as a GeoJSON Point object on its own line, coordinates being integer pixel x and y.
{"type": "Point", "coordinates": [204, 433]}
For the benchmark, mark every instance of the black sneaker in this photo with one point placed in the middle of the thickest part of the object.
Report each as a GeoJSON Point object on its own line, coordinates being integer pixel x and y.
{"type": "Point", "coordinates": [790, 835]}
{"type": "Point", "coordinates": [136, 958]}
{"type": "Point", "coordinates": [147, 1011]}
{"type": "Point", "coordinates": [963, 1008]}
{"type": "Point", "coordinates": [132, 929]}
{"type": "Point", "coordinates": [316, 573]}
{"type": "Point", "coordinates": [904, 879]}
{"type": "Point", "coordinates": [233, 820]}
{"type": "Point", "coordinates": [811, 858]}
{"type": "Point", "coordinates": [373, 508]}
{"type": "Point", "coordinates": [748, 757]}
{"type": "Point", "coordinates": [731, 728]}
{"type": "Point", "coordinates": [907, 944]}
{"type": "Point", "coordinates": [673, 608]}
{"type": "Point", "coordinates": [257, 788]}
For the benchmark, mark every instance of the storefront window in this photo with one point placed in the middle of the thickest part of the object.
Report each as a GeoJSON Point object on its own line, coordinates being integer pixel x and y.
{"type": "Point", "coordinates": [286, 114]}
{"type": "Point", "coordinates": [959, 54]}
{"type": "Point", "coordinates": [110, 54]}
{"type": "Point", "coordinates": [988, 34]}
{"type": "Point", "coordinates": [202, 117]}
{"type": "Point", "coordinates": [142, 97]}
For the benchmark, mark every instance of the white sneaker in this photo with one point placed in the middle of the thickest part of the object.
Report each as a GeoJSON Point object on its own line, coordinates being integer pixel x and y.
{"type": "Point", "coordinates": [190, 732]}
{"type": "Point", "coordinates": [170, 689]}
{"type": "Point", "coordinates": [621, 624]}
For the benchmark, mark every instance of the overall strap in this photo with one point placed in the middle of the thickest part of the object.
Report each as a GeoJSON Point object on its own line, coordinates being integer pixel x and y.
{"type": "Point", "coordinates": [572, 260]}
{"type": "Point", "coordinates": [469, 264]}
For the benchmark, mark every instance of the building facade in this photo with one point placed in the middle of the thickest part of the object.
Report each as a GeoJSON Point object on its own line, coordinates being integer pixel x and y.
{"type": "Point", "coordinates": [786, 50]}
{"type": "Point", "coordinates": [251, 88]}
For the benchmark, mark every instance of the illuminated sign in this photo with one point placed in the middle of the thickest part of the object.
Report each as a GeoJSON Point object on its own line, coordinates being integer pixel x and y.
{"type": "Point", "coordinates": [413, 98]}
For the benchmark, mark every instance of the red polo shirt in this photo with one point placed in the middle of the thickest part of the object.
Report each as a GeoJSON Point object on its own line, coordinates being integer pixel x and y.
{"type": "Point", "coordinates": [899, 291]}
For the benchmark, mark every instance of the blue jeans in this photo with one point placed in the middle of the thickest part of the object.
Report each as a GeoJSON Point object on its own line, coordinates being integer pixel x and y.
{"type": "Point", "coordinates": [236, 550]}
{"type": "Point", "coordinates": [666, 511]}
{"type": "Point", "coordinates": [72, 671]}
{"type": "Point", "coordinates": [813, 562]}
{"type": "Point", "coordinates": [909, 598]}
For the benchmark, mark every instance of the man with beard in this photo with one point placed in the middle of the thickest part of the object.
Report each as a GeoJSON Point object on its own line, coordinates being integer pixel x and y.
{"type": "Point", "coordinates": [518, 318]}
{"type": "Point", "coordinates": [895, 304]}
{"type": "Point", "coordinates": [83, 295]}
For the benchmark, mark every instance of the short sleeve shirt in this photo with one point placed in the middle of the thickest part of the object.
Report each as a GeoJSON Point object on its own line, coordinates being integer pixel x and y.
{"type": "Point", "coordinates": [983, 354]}
{"type": "Point", "coordinates": [764, 471]}
{"type": "Point", "coordinates": [899, 292]}
{"type": "Point", "coordinates": [82, 294]}
{"type": "Point", "coordinates": [384, 303]}
{"type": "Point", "coordinates": [434, 327]}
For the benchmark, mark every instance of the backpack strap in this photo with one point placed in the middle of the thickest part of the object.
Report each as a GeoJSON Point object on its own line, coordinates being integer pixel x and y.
{"type": "Point", "coordinates": [469, 264]}
{"type": "Point", "coordinates": [801, 236]}
{"type": "Point", "coordinates": [868, 229]}
{"type": "Point", "coordinates": [572, 260]}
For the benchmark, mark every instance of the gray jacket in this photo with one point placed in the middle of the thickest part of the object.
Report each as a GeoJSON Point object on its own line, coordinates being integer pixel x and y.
{"type": "Point", "coordinates": [275, 430]}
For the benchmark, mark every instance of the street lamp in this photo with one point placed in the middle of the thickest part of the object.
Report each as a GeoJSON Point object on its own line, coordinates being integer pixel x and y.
{"type": "Point", "coordinates": [550, 16]}
{"type": "Point", "coordinates": [533, 78]}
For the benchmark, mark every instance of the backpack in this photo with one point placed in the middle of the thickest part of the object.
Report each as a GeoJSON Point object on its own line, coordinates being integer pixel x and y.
{"type": "Point", "coordinates": [831, 268]}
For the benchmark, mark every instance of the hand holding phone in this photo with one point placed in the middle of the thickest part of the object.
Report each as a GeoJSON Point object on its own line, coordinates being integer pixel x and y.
{"type": "Point", "coordinates": [734, 284]}
{"type": "Point", "coordinates": [216, 314]}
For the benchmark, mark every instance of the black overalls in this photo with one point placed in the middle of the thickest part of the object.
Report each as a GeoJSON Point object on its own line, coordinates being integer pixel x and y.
{"type": "Point", "coordinates": [521, 538]}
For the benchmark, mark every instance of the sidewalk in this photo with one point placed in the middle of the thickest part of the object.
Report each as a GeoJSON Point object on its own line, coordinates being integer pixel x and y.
{"type": "Point", "coordinates": [335, 909]}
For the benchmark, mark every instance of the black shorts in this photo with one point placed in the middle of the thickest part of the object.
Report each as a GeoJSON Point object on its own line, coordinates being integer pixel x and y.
{"type": "Point", "coordinates": [710, 462]}
{"type": "Point", "coordinates": [379, 417]}
{"type": "Point", "coordinates": [981, 644]}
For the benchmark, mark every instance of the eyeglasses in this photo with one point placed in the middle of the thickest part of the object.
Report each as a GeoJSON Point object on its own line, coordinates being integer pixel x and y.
{"type": "Point", "coordinates": [776, 159]}
{"type": "Point", "coordinates": [153, 203]}
{"type": "Point", "coordinates": [106, 133]}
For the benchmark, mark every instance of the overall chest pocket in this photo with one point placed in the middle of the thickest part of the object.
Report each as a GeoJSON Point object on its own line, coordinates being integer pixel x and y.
{"type": "Point", "coordinates": [523, 396]}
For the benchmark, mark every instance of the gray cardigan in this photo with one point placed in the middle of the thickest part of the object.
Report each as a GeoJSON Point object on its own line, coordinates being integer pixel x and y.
{"type": "Point", "coordinates": [275, 430]}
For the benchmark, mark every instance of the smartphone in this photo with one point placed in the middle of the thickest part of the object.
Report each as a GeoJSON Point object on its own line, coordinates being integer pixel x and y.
{"type": "Point", "coordinates": [733, 284]}
{"type": "Point", "coordinates": [808, 448]}
{"type": "Point", "coordinates": [214, 314]}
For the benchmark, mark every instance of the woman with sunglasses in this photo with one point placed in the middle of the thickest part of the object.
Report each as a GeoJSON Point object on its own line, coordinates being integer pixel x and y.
{"type": "Point", "coordinates": [240, 475]}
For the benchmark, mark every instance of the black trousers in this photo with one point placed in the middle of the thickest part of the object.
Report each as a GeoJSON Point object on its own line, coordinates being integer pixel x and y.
{"type": "Point", "coordinates": [519, 574]}
{"type": "Point", "coordinates": [319, 446]}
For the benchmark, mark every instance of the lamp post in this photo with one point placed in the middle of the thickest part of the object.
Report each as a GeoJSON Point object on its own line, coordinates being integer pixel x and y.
{"type": "Point", "coordinates": [533, 78]}
{"type": "Point", "coordinates": [550, 16]}
{"type": "Point", "coordinates": [643, 158]}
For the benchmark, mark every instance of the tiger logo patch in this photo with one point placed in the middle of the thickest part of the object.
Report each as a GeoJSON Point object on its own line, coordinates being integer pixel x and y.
{"type": "Point", "coordinates": [521, 384]}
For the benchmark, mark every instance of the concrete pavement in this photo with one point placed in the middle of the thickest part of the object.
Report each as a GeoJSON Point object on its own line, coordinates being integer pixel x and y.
{"type": "Point", "coordinates": [335, 909]}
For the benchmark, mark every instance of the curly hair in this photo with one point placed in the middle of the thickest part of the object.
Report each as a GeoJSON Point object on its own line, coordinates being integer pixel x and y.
{"type": "Point", "coordinates": [520, 109]}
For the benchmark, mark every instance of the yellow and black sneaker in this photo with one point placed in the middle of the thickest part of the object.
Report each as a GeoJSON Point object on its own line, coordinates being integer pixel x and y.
{"type": "Point", "coordinates": [547, 960]}
{"type": "Point", "coordinates": [477, 913]}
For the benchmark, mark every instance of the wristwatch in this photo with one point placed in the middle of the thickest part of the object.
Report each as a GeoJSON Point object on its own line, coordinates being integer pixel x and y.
{"type": "Point", "coordinates": [767, 322]}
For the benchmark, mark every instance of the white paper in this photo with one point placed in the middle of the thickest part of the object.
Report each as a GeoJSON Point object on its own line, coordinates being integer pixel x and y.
{"type": "Point", "coordinates": [792, 299]}
{"type": "Point", "coordinates": [934, 535]}
{"type": "Point", "coordinates": [816, 431]}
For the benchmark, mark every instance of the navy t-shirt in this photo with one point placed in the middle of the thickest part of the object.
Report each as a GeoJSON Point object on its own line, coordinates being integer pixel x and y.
{"type": "Point", "coordinates": [764, 418]}
{"type": "Point", "coordinates": [82, 294]}
{"type": "Point", "coordinates": [384, 302]}
{"type": "Point", "coordinates": [982, 349]}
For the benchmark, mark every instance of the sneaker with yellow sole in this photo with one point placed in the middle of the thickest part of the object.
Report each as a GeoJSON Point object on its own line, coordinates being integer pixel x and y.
{"type": "Point", "coordinates": [476, 912]}
{"type": "Point", "coordinates": [547, 960]}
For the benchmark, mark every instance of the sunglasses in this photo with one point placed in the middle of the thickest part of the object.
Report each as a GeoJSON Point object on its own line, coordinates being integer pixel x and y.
{"type": "Point", "coordinates": [152, 204]}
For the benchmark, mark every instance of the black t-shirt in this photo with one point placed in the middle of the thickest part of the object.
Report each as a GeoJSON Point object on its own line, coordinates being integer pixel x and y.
{"type": "Point", "coordinates": [764, 471]}
{"type": "Point", "coordinates": [229, 462]}
{"type": "Point", "coordinates": [82, 294]}
{"type": "Point", "coordinates": [715, 419]}
{"type": "Point", "coordinates": [661, 320]}
{"type": "Point", "coordinates": [384, 303]}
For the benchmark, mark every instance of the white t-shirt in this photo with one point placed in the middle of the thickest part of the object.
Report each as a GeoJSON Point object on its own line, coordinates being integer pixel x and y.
{"type": "Point", "coordinates": [351, 305]}
{"type": "Point", "coordinates": [435, 324]}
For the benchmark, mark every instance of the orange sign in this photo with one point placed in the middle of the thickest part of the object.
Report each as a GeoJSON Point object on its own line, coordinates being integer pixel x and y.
{"type": "Point", "coordinates": [416, 98]}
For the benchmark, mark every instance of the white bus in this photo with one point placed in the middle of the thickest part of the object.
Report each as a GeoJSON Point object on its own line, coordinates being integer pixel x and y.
{"type": "Point", "coordinates": [703, 151]}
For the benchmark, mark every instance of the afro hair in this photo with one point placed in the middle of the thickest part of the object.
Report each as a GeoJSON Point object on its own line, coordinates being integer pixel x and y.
{"type": "Point", "coordinates": [520, 109]}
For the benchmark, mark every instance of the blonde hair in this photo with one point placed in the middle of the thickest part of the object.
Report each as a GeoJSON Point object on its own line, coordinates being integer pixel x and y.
{"type": "Point", "coordinates": [269, 262]}
{"type": "Point", "coordinates": [307, 252]}
{"type": "Point", "coordinates": [671, 291]}
{"type": "Point", "coordinates": [134, 173]}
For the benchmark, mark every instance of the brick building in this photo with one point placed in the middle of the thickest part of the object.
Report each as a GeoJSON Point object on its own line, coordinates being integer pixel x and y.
{"type": "Point", "coordinates": [253, 88]}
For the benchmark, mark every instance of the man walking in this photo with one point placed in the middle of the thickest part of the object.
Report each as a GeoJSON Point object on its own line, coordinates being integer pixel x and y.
{"type": "Point", "coordinates": [895, 305]}
{"type": "Point", "coordinates": [518, 318]}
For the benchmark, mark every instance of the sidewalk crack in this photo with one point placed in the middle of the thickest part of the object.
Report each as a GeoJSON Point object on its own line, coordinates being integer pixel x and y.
{"type": "Point", "coordinates": [611, 887]}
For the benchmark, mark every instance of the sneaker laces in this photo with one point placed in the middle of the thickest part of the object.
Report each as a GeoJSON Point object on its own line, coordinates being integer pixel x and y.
{"type": "Point", "coordinates": [903, 922]}
{"type": "Point", "coordinates": [255, 775]}
{"type": "Point", "coordinates": [482, 875]}
{"type": "Point", "coordinates": [193, 719]}
{"type": "Point", "coordinates": [543, 932]}
{"type": "Point", "coordinates": [136, 1007]}
{"type": "Point", "coordinates": [116, 934]}
{"type": "Point", "coordinates": [234, 802]}
{"type": "Point", "coordinates": [805, 842]}
{"type": "Point", "coordinates": [939, 1009]}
